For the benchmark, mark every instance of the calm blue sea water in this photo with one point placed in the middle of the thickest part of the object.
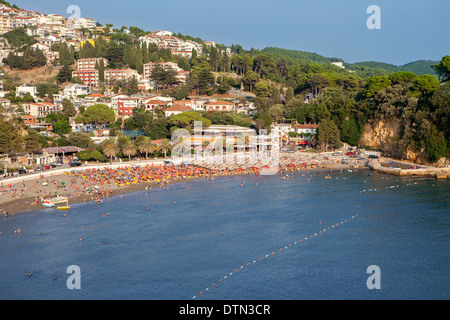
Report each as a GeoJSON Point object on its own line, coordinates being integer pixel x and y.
{"type": "Point", "coordinates": [176, 250]}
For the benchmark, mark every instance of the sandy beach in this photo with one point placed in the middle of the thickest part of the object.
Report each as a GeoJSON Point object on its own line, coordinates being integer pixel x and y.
{"type": "Point", "coordinates": [96, 184]}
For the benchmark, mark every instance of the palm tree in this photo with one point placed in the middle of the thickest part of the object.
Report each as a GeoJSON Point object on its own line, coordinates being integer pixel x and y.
{"type": "Point", "coordinates": [129, 150]}
{"type": "Point", "coordinates": [165, 146]}
{"type": "Point", "coordinates": [110, 148]}
{"type": "Point", "coordinates": [181, 147]}
{"type": "Point", "coordinates": [146, 146]}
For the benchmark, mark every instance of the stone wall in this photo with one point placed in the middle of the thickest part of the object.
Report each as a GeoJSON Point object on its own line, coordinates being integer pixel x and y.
{"type": "Point", "coordinates": [440, 173]}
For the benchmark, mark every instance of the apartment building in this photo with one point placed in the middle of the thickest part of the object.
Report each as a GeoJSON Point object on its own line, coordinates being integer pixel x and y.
{"type": "Point", "coordinates": [89, 63]}
{"type": "Point", "coordinates": [148, 67]}
{"type": "Point", "coordinates": [89, 77]}
{"type": "Point", "coordinates": [182, 76]}
{"type": "Point", "coordinates": [165, 40]}
{"type": "Point", "coordinates": [72, 91]}
{"type": "Point", "coordinates": [124, 106]}
{"type": "Point", "coordinates": [120, 74]}
{"type": "Point", "coordinates": [81, 23]}
{"type": "Point", "coordinates": [41, 109]}
{"type": "Point", "coordinates": [5, 24]}
{"type": "Point", "coordinates": [184, 54]}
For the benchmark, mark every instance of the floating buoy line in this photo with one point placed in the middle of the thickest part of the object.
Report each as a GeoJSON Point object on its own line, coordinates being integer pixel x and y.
{"type": "Point", "coordinates": [291, 245]}
{"type": "Point", "coordinates": [389, 187]}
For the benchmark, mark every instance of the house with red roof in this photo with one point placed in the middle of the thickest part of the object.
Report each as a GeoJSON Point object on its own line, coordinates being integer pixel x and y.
{"type": "Point", "coordinates": [177, 110]}
{"type": "Point", "coordinates": [220, 106]}
{"type": "Point", "coordinates": [155, 104]}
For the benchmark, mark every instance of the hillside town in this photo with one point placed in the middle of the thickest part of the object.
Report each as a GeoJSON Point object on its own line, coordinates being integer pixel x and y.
{"type": "Point", "coordinates": [92, 82]}
{"type": "Point", "coordinates": [74, 83]}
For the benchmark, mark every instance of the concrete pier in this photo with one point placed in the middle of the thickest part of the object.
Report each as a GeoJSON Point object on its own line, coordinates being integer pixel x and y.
{"type": "Point", "coordinates": [439, 173]}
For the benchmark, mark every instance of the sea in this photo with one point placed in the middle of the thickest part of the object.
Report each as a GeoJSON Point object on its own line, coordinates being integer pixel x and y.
{"type": "Point", "coordinates": [356, 235]}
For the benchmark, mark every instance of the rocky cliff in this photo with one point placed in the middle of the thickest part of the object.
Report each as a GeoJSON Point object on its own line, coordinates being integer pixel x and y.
{"type": "Point", "coordinates": [387, 135]}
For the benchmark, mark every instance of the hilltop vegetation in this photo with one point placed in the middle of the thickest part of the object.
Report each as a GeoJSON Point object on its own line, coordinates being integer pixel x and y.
{"type": "Point", "coordinates": [364, 69]}
{"type": "Point", "coordinates": [419, 67]}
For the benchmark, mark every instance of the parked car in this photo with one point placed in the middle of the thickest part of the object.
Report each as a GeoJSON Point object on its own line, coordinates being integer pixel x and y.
{"type": "Point", "coordinates": [350, 153]}
{"type": "Point", "coordinates": [22, 171]}
{"type": "Point", "coordinates": [74, 164]}
{"type": "Point", "coordinates": [373, 157]}
{"type": "Point", "coordinates": [59, 164]}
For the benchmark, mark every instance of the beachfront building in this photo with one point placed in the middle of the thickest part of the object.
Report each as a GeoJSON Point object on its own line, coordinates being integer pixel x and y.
{"type": "Point", "coordinates": [306, 129]}
{"type": "Point", "coordinates": [59, 153]}
{"type": "Point", "coordinates": [229, 133]}
{"type": "Point", "coordinates": [282, 129]}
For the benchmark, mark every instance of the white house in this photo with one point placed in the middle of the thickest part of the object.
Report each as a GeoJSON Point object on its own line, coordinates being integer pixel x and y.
{"type": "Point", "coordinates": [25, 88]}
{"type": "Point", "coordinates": [72, 91]}
{"type": "Point", "coordinates": [306, 129]}
{"type": "Point", "coordinates": [282, 129]}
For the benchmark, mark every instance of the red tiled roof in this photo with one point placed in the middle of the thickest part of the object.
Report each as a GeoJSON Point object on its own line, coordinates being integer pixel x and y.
{"type": "Point", "coordinates": [180, 108]}
{"type": "Point", "coordinates": [95, 95]}
{"type": "Point", "coordinates": [220, 103]}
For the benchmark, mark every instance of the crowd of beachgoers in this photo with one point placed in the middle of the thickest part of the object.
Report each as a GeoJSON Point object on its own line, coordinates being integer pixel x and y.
{"type": "Point", "coordinates": [99, 183]}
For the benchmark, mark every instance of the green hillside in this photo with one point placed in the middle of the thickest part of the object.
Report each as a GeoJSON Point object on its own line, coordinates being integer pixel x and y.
{"type": "Point", "coordinates": [297, 56]}
{"type": "Point", "coordinates": [419, 67]}
{"type": "Point", "coordinates": [365, 69]}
